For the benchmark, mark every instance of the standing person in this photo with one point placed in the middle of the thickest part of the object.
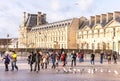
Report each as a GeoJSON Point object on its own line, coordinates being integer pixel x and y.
{"type": "Point", "coordinates": [53, 57]}
{"type": "Point", "coordinates": [48, 56]}
{"type": "Point", "coordinates": [37, 61]}
{"type": "Point", "coordinates": [63, 59]}
{"type": "Point", "coordinates": [14, 60]}
{"type": "Point", "coordinates": [57, 58]}
{"type": "Point", "coordinates": [6, 59]}
{"type": "Point", "coordinates": [44, 57]}
{"type": "Point", "coordinates": [115, 57]}
{"type": "Point", "coordinates": [93, 58]}
{"type": "Point", "coordinates": [73, 58]}
{"type": "Point", "coordinates": [31, 60]}
{"type": "Point", "coordinates": [101, 57]}
{"type": "Point", "coordinates": [81, 57]}
{"type": "Point", "coordinates": [109, 58]}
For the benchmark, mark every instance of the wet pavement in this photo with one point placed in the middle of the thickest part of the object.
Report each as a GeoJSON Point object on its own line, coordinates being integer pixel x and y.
{"type": "Point", "coordinates": [83, 72]}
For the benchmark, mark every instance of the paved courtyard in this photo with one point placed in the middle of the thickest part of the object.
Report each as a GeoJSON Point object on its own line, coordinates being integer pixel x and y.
{"type": "Point", "coordinates": [82, 72]}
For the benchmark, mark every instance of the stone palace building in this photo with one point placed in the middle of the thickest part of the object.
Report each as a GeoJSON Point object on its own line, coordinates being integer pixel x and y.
{"type": "Point", "coordinates": [100, 32]}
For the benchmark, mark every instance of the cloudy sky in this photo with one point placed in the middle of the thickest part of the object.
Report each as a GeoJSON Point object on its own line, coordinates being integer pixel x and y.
{"type": "Point", "coordinates": [11, 11]}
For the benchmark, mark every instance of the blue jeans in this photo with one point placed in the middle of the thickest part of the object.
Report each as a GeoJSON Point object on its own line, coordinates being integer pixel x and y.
{"type": "Point", "coordinates": [92, 62]}
{"type": "Point", "coordinates": [13, 63]}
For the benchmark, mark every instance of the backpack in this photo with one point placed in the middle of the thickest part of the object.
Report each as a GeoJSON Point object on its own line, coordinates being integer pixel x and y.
{"type": "Point", "coordinates": [7, 59]}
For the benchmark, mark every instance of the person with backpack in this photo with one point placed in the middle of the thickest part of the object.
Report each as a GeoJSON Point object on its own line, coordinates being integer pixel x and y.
{"type": "Point", "coordinates": [6, 59]}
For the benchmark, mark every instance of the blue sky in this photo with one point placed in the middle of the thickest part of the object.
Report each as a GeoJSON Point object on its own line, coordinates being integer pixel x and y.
{"type": "Point", "coordinates": [11, 11]}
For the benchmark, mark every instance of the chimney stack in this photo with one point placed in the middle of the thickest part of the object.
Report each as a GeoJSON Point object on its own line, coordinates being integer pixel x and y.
{"type": "Point", "coordinates": [116, 15]}
{"type": "Point", "coordinates": [92, 20]}
{"type": "Point", "coordinates": [44, 18]}
{"type": "Point", "coordinates": [39, 18]}
{"type": "Point", "coordinates": [24, 18]}
{"type": "Point", "coordinates": [97, 19]}
{"type": "Point", "coordinates": [103, 18]}
{"type": "Point", "coordinates": [109, 16]}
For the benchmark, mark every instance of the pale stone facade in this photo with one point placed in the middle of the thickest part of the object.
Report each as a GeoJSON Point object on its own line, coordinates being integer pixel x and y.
{"type": "Point", "coordinates": [57, 35]}
{"type": "Point", "coordinates": [100, 32]}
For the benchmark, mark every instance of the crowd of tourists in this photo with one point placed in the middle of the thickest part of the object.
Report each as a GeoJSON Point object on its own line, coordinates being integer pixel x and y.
{"type": "Point", "coordinates": [41, 59]}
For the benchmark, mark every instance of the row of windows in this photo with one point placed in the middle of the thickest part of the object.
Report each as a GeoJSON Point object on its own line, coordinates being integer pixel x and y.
{"type": "Point", "coordinates": [97, 34]}
{"type": "Point", "coordinates": [95, 46]}
{"type": "Point", "coordinates": [48, 39]}
{"type": "Point", "coordinates": [50, 26]}
{"type": "Point", "coordinates": [41, 45]}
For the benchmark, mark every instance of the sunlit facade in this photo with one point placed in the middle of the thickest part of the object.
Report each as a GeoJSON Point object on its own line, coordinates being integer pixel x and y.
{"type": "Point", "coordinates": [34, 33]}
{"type": "Point", "coordinates": [100, 32]}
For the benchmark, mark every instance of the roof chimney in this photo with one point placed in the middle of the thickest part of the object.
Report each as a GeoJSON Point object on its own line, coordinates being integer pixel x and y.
{"type": "Point", "coordinates": [109, 16]}
{"type": "Point", "coordinates": [44, 18]}
{"type": "Point", "coordinates": [92, 20]}
{"type": "Point", "coordinates": [116, 14]}
{"type": "Point", "coordinates": [97, 19]}
{"type": "Point", "coordinates": [103, 18]}
{"type": "Point", "coordinates": [24, 18]}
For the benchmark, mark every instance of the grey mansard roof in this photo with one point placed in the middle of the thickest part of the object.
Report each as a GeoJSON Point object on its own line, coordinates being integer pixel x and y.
{"type": "Point", "coordinates": [31, 20]}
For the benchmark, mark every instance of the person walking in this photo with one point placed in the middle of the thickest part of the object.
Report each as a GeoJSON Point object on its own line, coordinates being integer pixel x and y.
{"type": "Point", "coordinates": [37, 61]}
{"type": "Point", "coordinates": [63, 59]}
{"type": "Point", "coordinates": [53, 57]}
{"type": "Point", "coordinates": [101, 57]}
{"type": "Point", "coordinates": [115, 57]}
{"type": "Point", "coordinates": [81, 57]}
{"type": "Point", "coordinates": [57, 59]}
{"type": "Point", "coordinates": [44, 57]}
{"type": "Point", "coordinates": [6, 59]}
{"type": "Point", "coordinates": [109, 58]}
{"type": "Point", "coordinates": [92, 59]}
{"type": "Point", "coordinates": [73, 58]}
{"type": "Point", "coordinates": [14, 61]}
{"type": "Point", "coordinates": [31, 60]}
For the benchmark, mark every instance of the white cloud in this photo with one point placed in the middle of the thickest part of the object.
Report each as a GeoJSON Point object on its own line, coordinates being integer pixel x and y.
{"type": "Point", "coordinates": [11, 11]}
{"type": "Point", "coordinates": [84, 4]}
{"type": "Point", "coordinates": [55, 5]}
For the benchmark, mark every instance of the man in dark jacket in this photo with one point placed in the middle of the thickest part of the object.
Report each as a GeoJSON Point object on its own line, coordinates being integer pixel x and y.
{"type": "Point", "coordinates": [73, 58]}
{"type": "Point", "coordinates": [101, 57]}
{"type": "Point", "coordinates": [37, 61]}
{"type": "Point", "coordinates": [31, 60]}
{"type": "Point", "coordinates": [92, 58]}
